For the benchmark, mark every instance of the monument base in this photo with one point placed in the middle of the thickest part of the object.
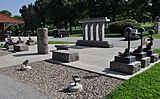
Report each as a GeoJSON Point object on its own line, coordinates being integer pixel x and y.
{"type": "Point", "coordinates": [127, 59]}
{"type": "Point", "coordinates": [125, 68]}
{"type": "Point", "coordinates": [92, 43]}
{"type": "Point", "coordinates": [139, 55]}
{"type": "Point", "coordinates": [154, 58]}
{"type": "Point", "coordinates": [144, 62]}
{"type": "Point", "coordinates": [150, 52]}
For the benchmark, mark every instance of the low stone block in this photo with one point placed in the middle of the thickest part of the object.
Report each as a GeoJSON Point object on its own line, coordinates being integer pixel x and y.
{"type": "Point", "coordinates": [125, 68]}
{"type": "Point", "coordinates": [150, 52]}
{"type": "Point", "coordinates": [154, 58]}
{"type": "Point", "coordinates": [65, 55]}
{"type": "Point", "coordinates": [62, 47]}
{"type": "Point", "coordinates": [92, 43]}
{"type": "Point", "coordinates": [144, 62]}
{"type": "Point", "coordinates": [139, 55]}
{"type": "Point", "coordinates": [127, 59]}
{"type": "Point", "coordinates": [10, 47]}
{"type": "Point", "coordinates": [20, 47]}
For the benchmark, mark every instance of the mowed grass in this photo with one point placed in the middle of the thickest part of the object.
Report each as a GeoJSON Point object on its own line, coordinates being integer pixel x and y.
{"type": "Point", "coordinates": [1, 46]}
{"type": "Point", "coordinates": [142, 86]}
{"type": "Point", "coordinates": [155, 36]}
{"type": "Point", "coordinates": [157, 51]}
{"type": "Point", "coordinates": [59, 42]}
{"type": "Point", "coordinates": [147, 25]}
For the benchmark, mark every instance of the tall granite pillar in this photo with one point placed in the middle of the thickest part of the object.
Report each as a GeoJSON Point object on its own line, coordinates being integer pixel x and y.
{"type": "Point", "coordinates": [95, 31]}
{"type": "Point", "coordinates": [42, 40]}
{"type": "Point", "coordinates": [101, 31]}
{"type": "Point", "coordinates": [157, 24]}
{"type": "Point", "coordinates": [89, 31]}
{"type": "Point", "coordinates": [85, 30]}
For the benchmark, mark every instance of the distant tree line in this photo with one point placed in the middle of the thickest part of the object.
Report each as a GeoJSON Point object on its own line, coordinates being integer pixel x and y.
{"type": "Point", "coordinates": [66, 13]}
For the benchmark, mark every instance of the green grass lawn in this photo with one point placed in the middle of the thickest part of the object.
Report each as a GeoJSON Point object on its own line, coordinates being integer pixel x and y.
{"type": "Point", "coordinates": [142, 86]}
{"type": "Point", "coordinates": [157, 51]}
{"type": "Point", "coordinates": [147, 25]}
{"type": "Point", "coordinates": [59, 42]}
{"type": "Point", "coordinates": [77, 33]}
{"type": "Point", "coordinates": [155, 36]}
{"type": "Point", "coordinates": [1, 46]}
{"type": "Point", "coordinates": [113, 35]}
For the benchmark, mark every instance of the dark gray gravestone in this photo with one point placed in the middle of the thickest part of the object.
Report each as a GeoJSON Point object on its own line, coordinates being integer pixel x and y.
{"type": "Point", "coordinates": [141, 56]}
{"type": "Point", "coordinates": [125, 62]}
{"type": "Point", "coordinates": [150, 53]}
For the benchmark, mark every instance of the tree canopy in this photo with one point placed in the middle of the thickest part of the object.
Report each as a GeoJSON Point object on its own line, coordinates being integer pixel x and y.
{"type": "Point", "coordinates": [66, 13]}
{"type": "Point", "coordinates": [6, 12]}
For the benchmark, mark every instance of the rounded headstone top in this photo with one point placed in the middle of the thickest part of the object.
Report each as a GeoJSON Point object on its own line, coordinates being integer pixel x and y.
{"type": "Point", "coordinates": [151, 31]}
{"type": "Point", "coordinates": [128, 29]}
{"type": "Point", "coordinates": [157, 19]}
{"type": "Point", "coordinates": [142, 29]}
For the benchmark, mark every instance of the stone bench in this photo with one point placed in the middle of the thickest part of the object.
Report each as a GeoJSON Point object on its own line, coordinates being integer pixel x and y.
{"type": "Point", "coordinates": [65, 55]}
{"type": "Point", "coordinates": [20, 47]}
{"type": "Point", "coordinates": [62, 47]}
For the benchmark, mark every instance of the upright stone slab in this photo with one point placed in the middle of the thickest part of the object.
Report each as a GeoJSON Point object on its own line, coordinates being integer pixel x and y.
{"type": "Point", "coordinates": [42, 40]}
{"type": "Point", "coordinates": [157, 24]}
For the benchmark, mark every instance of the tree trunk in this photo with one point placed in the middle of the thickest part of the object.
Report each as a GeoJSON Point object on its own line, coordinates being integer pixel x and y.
{"type": "Point", "coordinates": [70, 29]}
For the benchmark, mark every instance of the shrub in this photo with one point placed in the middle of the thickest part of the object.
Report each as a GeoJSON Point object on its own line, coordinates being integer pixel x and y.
{"type": "Point", "coordinates": [119, 26]}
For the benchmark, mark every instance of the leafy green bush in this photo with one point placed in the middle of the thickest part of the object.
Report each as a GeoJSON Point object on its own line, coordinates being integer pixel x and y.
{"type": "Point", "coordinates": [119, 26]}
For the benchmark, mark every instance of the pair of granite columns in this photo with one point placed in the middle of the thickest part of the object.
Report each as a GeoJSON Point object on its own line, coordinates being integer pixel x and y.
{"type": "Point", "coordinates": [93, 31]}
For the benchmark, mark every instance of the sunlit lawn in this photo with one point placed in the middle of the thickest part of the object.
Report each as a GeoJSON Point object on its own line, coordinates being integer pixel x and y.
{"type": "Point", "coordinates": [59, 42]}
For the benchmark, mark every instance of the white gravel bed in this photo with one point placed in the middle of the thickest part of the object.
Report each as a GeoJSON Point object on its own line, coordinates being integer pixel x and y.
{"type": "Point", "coordinates": [52, 79]}
{"type": "Point", "coordinates": [3, 53]}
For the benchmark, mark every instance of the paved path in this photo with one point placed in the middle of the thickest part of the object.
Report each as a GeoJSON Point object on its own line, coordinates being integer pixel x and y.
{"type": "Point", "coordinates": [118, 42]}
{"type": "Point", "coordinates": [11, 89]}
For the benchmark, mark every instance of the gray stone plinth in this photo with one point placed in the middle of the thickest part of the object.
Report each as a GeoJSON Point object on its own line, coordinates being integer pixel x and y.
{"type": "Point", "coordinates": [150, 52]}
{"type": "Point", "coordinates": [74, 88]}
{"type": "Point", "coordinates": [62, 47]}
{"type": "Point", "coordinates": [10, 47]}
{"type": "Point", "coordinates": [154, 58]}
{"type": "Point", "coordinates": [139, 55]}
{"type": "Point", "coordinates": [65, 55]}
{"type": "Point", "coordinates": [20, 47]}
{"type": "Point", "coordinates": [42, 40]}
{"type": "Point", "coordinates": [145, 62]}
{"type": "Point", "coordinates": [103, 44]}
{"type": "Point", "coordinates": [128, 59]}
{"type": "Point", "coordinates": [125, 68]}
